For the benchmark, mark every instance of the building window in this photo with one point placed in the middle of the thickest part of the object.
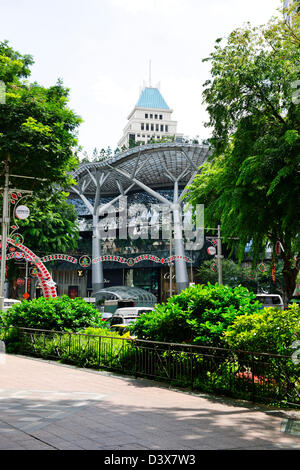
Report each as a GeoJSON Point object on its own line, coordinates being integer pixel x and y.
{"type": "Point", "coordinates": [143, 136]}
{"type": "Point", "coordinates": [157, 127]}
{"type": "Point", "coordinates": [155, 116]}
{"type": "Point", "coordinates": [160, 116]}
{"type": "Point", "coordinates": [146, 116]}
{"type": "Point", "coordinates": [166, 128]}
{"type": "Point", "coordinates": [151, 116]}
{"type": "Point", "coordinates": [147, 127]}
{"type": "Point", "coordinates": [161, 128]}
{"type": "Point", "coordinates": [152, 127]}
{"type": "Point", "coordinates": [142, 126]}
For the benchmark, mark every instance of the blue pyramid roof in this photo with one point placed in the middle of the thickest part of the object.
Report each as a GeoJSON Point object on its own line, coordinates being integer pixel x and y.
{"type": "Point", "coordinates": [151, 98]}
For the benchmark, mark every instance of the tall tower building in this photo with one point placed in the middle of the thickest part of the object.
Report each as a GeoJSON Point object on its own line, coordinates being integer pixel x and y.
{"type": "Point", "coordinates": [288, 4]}
{"type": "Point", "coordinates": [151, 118]}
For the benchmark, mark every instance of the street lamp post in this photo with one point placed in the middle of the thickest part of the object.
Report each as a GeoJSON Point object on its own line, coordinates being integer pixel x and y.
{"type": "Point", "coordinates": [5, 224]}
{"type": "Point", "coordinates": [219, 257]}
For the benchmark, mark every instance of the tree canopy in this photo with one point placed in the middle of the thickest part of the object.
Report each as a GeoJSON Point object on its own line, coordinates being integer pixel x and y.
{"type": "Point", "coordinates": [37, 128]}
{"type": "Point", "coordinates": [52, 226]}
{"type": "Point", "coordinates": [251, 185]}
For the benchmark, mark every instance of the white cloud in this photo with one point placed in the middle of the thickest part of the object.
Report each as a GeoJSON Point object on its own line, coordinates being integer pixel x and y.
{"type": "Point", "coordinates": [158, 6]}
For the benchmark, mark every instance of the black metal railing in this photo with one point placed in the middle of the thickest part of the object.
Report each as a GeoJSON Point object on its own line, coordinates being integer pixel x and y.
{"type": "Point", "coordinates": [260, 377]}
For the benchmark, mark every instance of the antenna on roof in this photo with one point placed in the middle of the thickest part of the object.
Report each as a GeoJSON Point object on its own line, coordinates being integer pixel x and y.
{"type": "Point", "coordinates": [150, 73]}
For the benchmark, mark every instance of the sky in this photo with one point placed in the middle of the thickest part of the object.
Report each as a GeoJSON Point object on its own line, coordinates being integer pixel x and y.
{"type": "Point", "coordinates": [101, 49]}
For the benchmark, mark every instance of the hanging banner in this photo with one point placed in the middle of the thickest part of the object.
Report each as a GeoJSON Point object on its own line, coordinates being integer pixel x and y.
{"type": "Point", "coordinates": [273, 272]}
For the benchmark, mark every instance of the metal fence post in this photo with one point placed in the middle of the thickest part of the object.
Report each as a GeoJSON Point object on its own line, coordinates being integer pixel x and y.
{"type": "Point", "coordinates": [99, 351]}
{"type": "Point", "coordinates": [253, 377]}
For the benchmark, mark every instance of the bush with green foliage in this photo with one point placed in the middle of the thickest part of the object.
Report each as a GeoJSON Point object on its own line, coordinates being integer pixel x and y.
{"type": "Point", "coordinates": [269, 330]}
{"type": "Point", "coordinates": [59, 314]}
{"type": "Point", "coordinates": [199, 314]}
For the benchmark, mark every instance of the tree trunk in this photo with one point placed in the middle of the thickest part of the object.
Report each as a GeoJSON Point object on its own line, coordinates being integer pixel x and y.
{"type": "Point", "coordinates": [289, 275]}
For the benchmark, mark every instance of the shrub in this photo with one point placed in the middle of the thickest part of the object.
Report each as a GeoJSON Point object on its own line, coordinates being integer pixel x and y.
{"type": "Point", "coordinates": [60, 314]}
{"type": "Point", "coordinates": [199, 314]}
{"type": "Point", "coordinates": [269, 330]}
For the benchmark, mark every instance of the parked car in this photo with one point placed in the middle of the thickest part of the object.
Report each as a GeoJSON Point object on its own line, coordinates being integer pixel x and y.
{"type": "Point", "coordinates": [8, 303]}
{"type": "Point", "coordinates": [123, 320]}
{"type": "Point", "coordinates": [270, 300]}
{"type": "Point", "coordinates": [124, 316]}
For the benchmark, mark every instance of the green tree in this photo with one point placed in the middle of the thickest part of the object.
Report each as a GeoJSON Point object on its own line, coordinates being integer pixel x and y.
{"type": "Point", "coordinates": [235, 274]}
{"type": "Point", "coordinates": [252, 183]}
{"type": "Point", "coordinates": [52, 226]}
{"type": "Point", "coordinates": [37, 128]}
{"type": "Point", "coordinates": [38, 139]}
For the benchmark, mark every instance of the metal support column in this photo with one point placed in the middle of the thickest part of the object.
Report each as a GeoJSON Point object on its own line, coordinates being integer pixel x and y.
{"type": "Point", "coordinates": [182, 280]}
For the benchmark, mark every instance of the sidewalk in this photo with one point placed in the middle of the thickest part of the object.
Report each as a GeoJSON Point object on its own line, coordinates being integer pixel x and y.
{"type": "Point", "coordinates": [45, 405]}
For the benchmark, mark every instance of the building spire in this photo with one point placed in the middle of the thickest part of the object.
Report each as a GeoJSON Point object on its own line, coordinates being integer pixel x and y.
{"type": "Point", "coordinates": [150, 74]}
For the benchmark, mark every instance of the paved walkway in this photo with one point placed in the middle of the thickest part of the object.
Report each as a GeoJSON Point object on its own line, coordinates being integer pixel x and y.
{"type": "Point", "coordinates": [44, 405]}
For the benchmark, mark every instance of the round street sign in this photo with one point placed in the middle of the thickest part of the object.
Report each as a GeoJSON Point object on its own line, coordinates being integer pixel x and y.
{"type": "Point", "coordinates": [22, 212]}
{"type": "Point", "coordinates": [211, 250]}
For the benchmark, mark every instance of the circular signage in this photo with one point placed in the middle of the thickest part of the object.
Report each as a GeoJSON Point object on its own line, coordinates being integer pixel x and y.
{"type": "Point", "coordinates": [211, 250]}
{"type": "Point", "coordinates": [22, 212]}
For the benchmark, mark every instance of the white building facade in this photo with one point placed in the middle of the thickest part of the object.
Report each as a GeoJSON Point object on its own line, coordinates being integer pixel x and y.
{"type": "Point", "coordinates": [151, 119]}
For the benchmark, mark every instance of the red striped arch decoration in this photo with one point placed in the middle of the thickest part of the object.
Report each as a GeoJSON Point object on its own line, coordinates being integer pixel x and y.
{"type": "Point", "coordinates": [55, 257]}
{"type": "Point", "coordinates": [48, 286]}
{"type": "Point", "coordinates": [138, 259]}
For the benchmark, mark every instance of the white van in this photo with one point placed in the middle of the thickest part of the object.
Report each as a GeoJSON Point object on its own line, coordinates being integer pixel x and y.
{"type": "Point", "coordinates": [126, 315]}
{"type": "Point", "coordinates": [270, 300]}
{"type": "Point", "coordinates": [132, 311]}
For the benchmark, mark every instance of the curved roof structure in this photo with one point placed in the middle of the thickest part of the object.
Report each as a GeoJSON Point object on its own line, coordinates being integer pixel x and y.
{"type": "Point", "coordinates": [156, 165]}
{"type": "Point", "coordinates": [126, 293]}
